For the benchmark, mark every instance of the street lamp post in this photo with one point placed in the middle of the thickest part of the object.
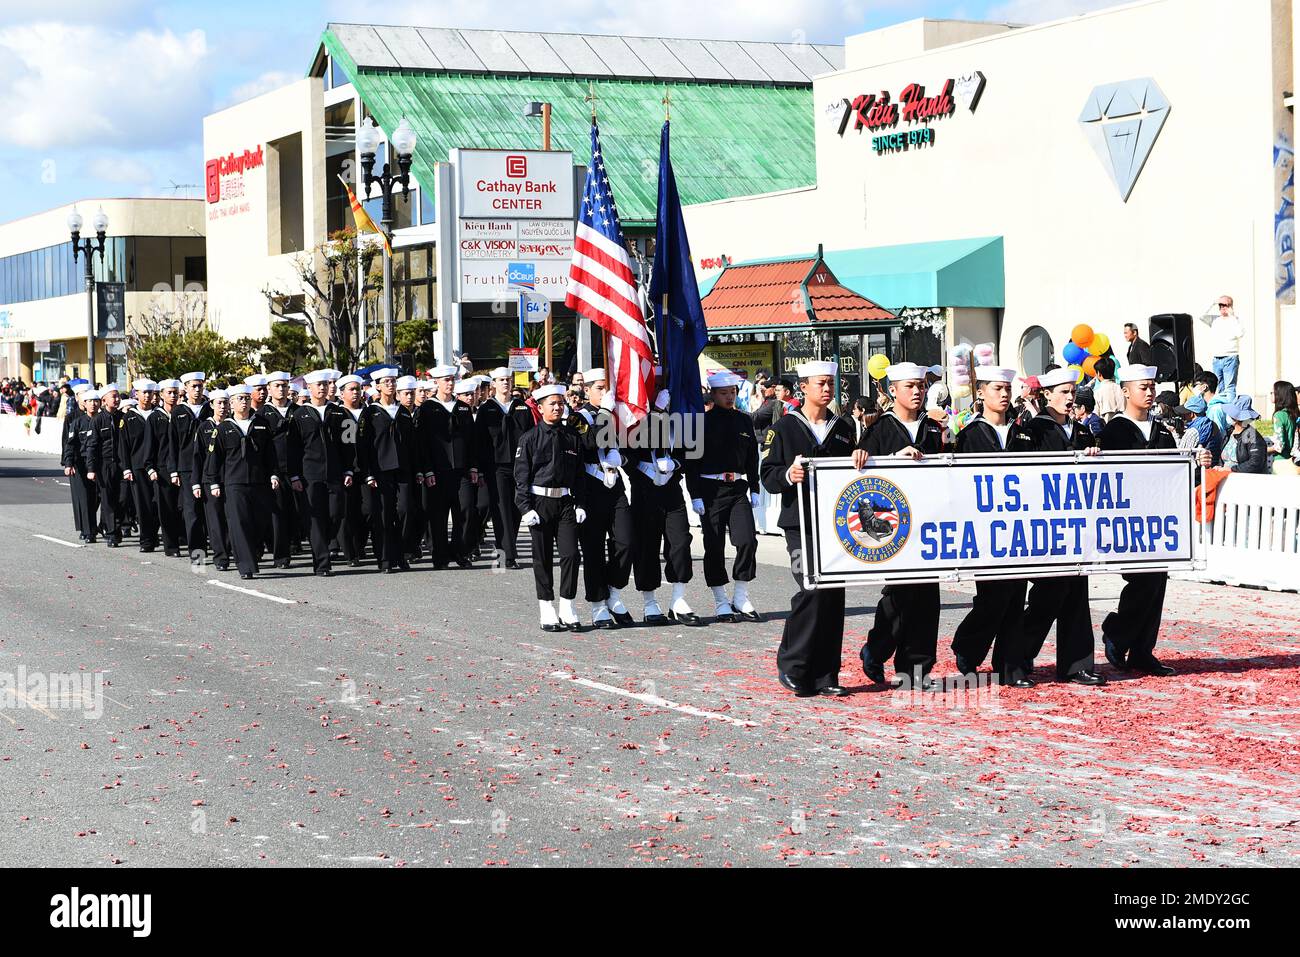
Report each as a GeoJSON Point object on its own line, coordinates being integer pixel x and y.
{"type": "Point", "coordinates": [88, 248]}
{"type": "Point", "coordinates": [368, 139]}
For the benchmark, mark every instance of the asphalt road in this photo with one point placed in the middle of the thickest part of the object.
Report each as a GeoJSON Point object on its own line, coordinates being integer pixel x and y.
{"type": "Point", "coordinates": [423, 719]}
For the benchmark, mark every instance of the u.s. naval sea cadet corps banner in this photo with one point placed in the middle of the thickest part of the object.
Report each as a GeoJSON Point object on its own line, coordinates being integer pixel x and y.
{"type": "Point", "coordinates": [949, 517]}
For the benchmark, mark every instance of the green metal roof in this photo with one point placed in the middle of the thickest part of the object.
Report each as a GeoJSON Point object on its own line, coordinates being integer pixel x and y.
{"type": "Point", "coordinates": [729, 139]}
{"type": "Point", "coordinates": [953, 272]}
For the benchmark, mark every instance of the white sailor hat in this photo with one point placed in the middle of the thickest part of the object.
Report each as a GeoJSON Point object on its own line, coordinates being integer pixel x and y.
{"type": "Point", "coordinates": [994, 374]}
{"type": "Point", "coordinates": [465, 386]}
{"type": "Point", "coordinates": [276, 377]}
{"type": "Point", "coordinates": [144, 385]}
{"type": "Point", "coordinates": [80, 388]}
{"type": "Point", "coordinates": [905, 371]}
{"type": "Point", "coordinates": [87, 394]}
{"type": "Point", "coordinates": [1137, 373]}
{"type": "Point", "coordinates": [595, 375]}
{"type": "Point", "coordinates": [317, 375]}
{"type": "Point", "coordinates": [169, 384]}
{"type": "Point", "coordinates": [723, 380]}
{"type": "Point", "coordinates": [501, 372]}
{"type": "Point", "coordinates": [388, 373]}
{"type": "Point", "coordinates": [240, 389]}
{"type": "Point", "coordinates": [334, 375]}
{"type": "Point", "coordinates": [111, 387]}
{"type": "Point", "coordinates": [129, 403]}
{"type": "Point", "coordinates": [935, 370]}
{"type": "Point", "coordinates": [808, 369]}
{"type": "Point", "coordinates": [482, 380]}
{"type": "Point", "coordinates": [1058, 377]}
{"type": "Point", "coordinates": [218, 394]}
{"type": "Point", "coordinates": [444, 372]}
{"type": "Point", "coordinates": [193, 377]}
{"type": "Point", "coordinates": [254, 380]}
{"type": "Point", "coordinates": [427, 385]}
{"type": "Point", "coordinates": [349, 380]}
{"type": "Point", "coordinates": [406, 383]}
{"type": "Point", "coordinates": [546, 391]}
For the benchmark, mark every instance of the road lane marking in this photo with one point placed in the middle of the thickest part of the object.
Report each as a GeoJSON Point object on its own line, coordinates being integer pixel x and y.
{"type": "Point", "coordinates": [59, 541]}
{"type": "Point", "coordinates": [250, 591]}
{"type": "Point", "coordinates": [654, 700]}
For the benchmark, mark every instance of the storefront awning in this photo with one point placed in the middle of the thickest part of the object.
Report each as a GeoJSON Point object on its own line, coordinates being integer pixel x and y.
{"type": "Point", "coordinates": [953, 272]}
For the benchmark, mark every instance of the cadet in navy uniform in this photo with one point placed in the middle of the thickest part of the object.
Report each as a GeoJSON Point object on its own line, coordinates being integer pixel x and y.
{"type": "Point", "coordinates": [444, 432]}
{"type": "Point", "coordinates": [1061, 599]}
{"type": "Point", "coordinates": [321, 464]}
{"type": "Point", "coordinates": [997, 615]}
{"type": "Point", "coordinates": [140, 467]}
{"type": "Point", "coordinates": [808, 660]}
{"type": "Point", "coordinates": [907, 616]}
{"type": "Point", "coordinates": [502, 421]}
{"type": "Point", "coordinates": [1129, 633]}
{"type": "Point", "coordinates": [410, 502]}
{"type": "Point", "coordinates": [549, 494]}
{"type": "Point", "coordinates": [211, 506]}
{"type": "Point", "coordinates": [75, 421]}
{"type": "Point", "coordinates": [723, 485]}
{"type": "Point", "coordinates": [607, 534]}
{"type": "Point", "coordinates": [473, 498]}
{"type": "Point", "coordinates": [106, 455]}
{"type": "Point", "coordinates": [354, 528]}
{"type": "Point", "coordinates": [240, 467]}
{"type": "Point", "coordinates": [284, 508]}
{"type": "Point", "coordinates": [171, 526]}
{"type": "Point", "coordinates": [385, 461]}
{"type": "Point", "coordinates": [87, 442]}
{"type": "Point", "coordinates": [185, 426]}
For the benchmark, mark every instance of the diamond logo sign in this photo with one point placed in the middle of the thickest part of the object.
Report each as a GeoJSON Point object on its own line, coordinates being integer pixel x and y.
{"type": "Point", "coordinates": [1122, 121]}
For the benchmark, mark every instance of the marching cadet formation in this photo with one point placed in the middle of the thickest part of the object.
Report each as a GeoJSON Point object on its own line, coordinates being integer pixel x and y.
{"type": "Point", "coordinates": [422, 467]}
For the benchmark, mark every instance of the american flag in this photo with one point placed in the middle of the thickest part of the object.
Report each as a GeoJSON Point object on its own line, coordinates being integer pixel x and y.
{"type": "Point", "coordinates": [603, 288]}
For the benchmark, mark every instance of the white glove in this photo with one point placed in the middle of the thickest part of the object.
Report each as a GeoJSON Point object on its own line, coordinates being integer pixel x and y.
{"type": "Point", "coordinates": [608, 402]}
{"type": "Point", "coordinates": [661, 400]}
{"type": "Point", "coordinates": [698, 505]}
{"type": "Point", "coordinates": [532, 518]}
{"type": "Point", "coordinates": [753, 500]}
{"type": "Point", "coordinates": [580, 515]}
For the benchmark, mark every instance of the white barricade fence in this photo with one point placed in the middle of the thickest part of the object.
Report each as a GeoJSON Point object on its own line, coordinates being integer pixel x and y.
{"type": "Point", "coordinates": [963, 517]}
{"type": "Point", "coordinates": [1254, 538]}
{"type": "Point", "coordinates": [19, 432]}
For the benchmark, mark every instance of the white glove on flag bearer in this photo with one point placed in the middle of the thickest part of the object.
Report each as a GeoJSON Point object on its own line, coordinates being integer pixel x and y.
{"type": "Point", "coordinates": [580, 515]}
{"type": "Point", "coordinates": [532, 518]}
{"type": "Point", "coordinates": [698, 505]}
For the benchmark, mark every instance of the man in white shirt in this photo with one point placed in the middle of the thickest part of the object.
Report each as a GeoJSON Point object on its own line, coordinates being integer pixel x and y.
{"type": "Point", "coordinates": [1226, 333]}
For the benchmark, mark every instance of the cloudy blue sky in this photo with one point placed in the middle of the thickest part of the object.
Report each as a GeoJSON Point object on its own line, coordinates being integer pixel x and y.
{"type": "Point", "coordinates": [108, 98]}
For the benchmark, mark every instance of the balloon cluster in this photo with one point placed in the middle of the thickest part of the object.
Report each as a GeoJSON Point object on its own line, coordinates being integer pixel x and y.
{"type": "Point", "coordinates": [1084, 349]}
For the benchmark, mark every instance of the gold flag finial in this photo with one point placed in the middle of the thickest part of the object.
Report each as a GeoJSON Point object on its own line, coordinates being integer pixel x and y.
{"type": "Point", "coordinates": [668, 105]}
{"type": "Point", "coordinates": [591, 98]}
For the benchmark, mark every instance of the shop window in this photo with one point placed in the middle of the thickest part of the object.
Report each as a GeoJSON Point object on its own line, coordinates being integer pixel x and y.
{"type": "Point", "coordinates": [427, 214]}
{"type": "Point", "coordinates": [1036, 350]}
{"type": "Point", "coordinates": [337, 76]}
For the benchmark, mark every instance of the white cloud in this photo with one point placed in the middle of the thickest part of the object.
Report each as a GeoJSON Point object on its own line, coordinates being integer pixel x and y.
{"type": "Point", "coordinates": [116, 168]}
{"type": "Point", "coordinates": [1041, 11]}
{"type": "Point", "coordinates": [86, 85]}
{"type": "Point", "coordinates": [271, 80]}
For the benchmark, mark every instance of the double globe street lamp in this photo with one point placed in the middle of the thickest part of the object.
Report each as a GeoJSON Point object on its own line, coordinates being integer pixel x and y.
{"type": "Point", "coordinates": [89, 247]}
{"type": "Point", "coordinates": [369, 137]}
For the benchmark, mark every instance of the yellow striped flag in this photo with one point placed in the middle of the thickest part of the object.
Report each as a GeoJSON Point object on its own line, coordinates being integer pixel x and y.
{"type": "Point", "coordinates": [363, 220]}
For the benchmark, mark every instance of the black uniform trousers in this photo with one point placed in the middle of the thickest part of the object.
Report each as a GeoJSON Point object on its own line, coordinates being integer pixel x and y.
{"type": "Point", "coordinates": [726, 507]}
{"type": "Point", "coordinates": [410, 506]}
{"type": "Point", "coordinates": [385, 519]}
{"type": "Point", "coordinates": [662, 530]}
{"type": "Point", "coordinates": [607, 538]}
{"type": "Point", "coordinates": [1062, 600]}
{"type": "Point", "coordinates": [85, 503]}
{"type": "Point", "coordinates": [284, 519]}
{"type": "Point", "coordinates": [813, 636]}
{"type": "Point", "coordinates": [505, 513]}
{"type": "Point", "coordinates": [77, 488]}
{"type": "Point", "coordinates": [213, 510]}
{"type": "Point", "coordinates": [145, 493]}
{"type": "Point", "coordinates": [996, 620]}
{"type": "Point", "coordinates": [110, 504]}
{"type": "Point", "coordinates": [193, 515]}
{"type": "Point", "coordinates": [558, 528]}
{"type": "Point", "coordinates": [170, 524]}
{"type": "Point", "coordinates": [353, 528]}
{"type": "Point", "coordinates": [126, 511]}
{"type": "Point", "coordinates": [324, 515]}
{"type": "Point", "coordinates": [452, 494]}
{"type": "Point", "coordinates": [248, 513]}
{"type": "Point", "coordinates": [906, 628]}
{"type": "Point", "coordinates": [481, 511]}
{"type": "Point", "coordinates": [1135, 625]}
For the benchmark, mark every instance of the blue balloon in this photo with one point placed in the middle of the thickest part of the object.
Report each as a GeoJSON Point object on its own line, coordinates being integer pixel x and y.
{"type": "Point", "coordinates": [1074, 355]}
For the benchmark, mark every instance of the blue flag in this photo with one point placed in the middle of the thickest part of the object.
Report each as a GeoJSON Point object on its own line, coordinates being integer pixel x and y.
{"type": "Point", "coordinates": [679, 326]}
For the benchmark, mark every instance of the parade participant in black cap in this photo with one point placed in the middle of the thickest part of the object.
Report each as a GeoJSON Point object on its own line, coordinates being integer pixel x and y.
{"type": "Point", "coordinates": [84, 501]}
{"type": "Point", "coordinates": [549, 494]}
{"type": "Point", "coordinates": [184, 427]}
{"type": "Point", "coordinates": [284, 507]}
{"type": "Point", "coordinates": [106, 455]}
{"type": "Point", "coordinates": [808, 660]}
{"type": "Point", "coordinates": [213, 507]}
{"type": "Point", "coordinates": [501, 422]}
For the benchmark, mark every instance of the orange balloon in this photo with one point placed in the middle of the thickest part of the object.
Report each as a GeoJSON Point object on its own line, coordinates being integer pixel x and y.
{"type": "Point", "coordinates": [1081, 335]}
{"type": "Point", "coordinates": [1090, 366]}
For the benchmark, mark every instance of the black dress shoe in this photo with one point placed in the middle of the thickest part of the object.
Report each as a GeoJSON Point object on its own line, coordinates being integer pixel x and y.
{"type": "Point", "coordinates": [965, 667]}
{"type": "Point", "coordinates": [553, 628]}
{"type": "Point", "coordinates": [325, 573]}
{"type": "Point", "coordinates": [1151, 666]}
{"type": "Point", "coordinates": [439, 566]}
{"type": "Point", "coordinates": [390, 569]}
{"type": "Point", "coordinates": [1113, 654]}
{"type": "Point", "coordinates": [172, 552]}
{"type": "Point", "coordinates": [928, 683]}
{"type": "Point", "coordinates": [799, 690]}
{"type": "Point", "coordinates": [354, 563]}
{"type": "Point", "coordinates": [833, 691]}
{"type": "Point", "coordinates": [245, 575]}
{"type": "Point", "coordinates": [464, 563]}
{"type": "Point", "coordinates": [604, 624]}
{"type": "Point", "coordinates": [112, 543]}
{"type": "Point", "coordinates": [739, 616]}
{"type": "Point", "coordinates": [1017, 682]}
{"type": "Point", "coordinates": [689, 618]}
{"type": "Point", "coordinates": [1089, 678]}
{"type": "Point", "coordinates": [623, 618]}
{"type": "Point", "coordinates": [513, 565]}
{"type": "Point", "coordinates": [222, 567]}
{"type": "Point", "coordinates": [874, 672]}
{"type": "Point", "coordinates": [656, 620]}
{"type": "Point", "coordinates": [147, 548]}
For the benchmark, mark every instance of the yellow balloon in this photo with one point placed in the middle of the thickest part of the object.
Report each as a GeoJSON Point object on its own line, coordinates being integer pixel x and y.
{"type": "Point", "coordinates": [961, 391]}
{"type": "Point", "coordinates": [1078, 374]}
{"type": "Point", "coordinates": [877, 365]}
{"type": "Point", "coordinates": [1100, 343]}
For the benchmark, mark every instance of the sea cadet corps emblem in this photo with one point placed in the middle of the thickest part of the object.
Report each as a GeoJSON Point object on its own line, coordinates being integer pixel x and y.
{"type": "Point", "coordinates": [872, 519]}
